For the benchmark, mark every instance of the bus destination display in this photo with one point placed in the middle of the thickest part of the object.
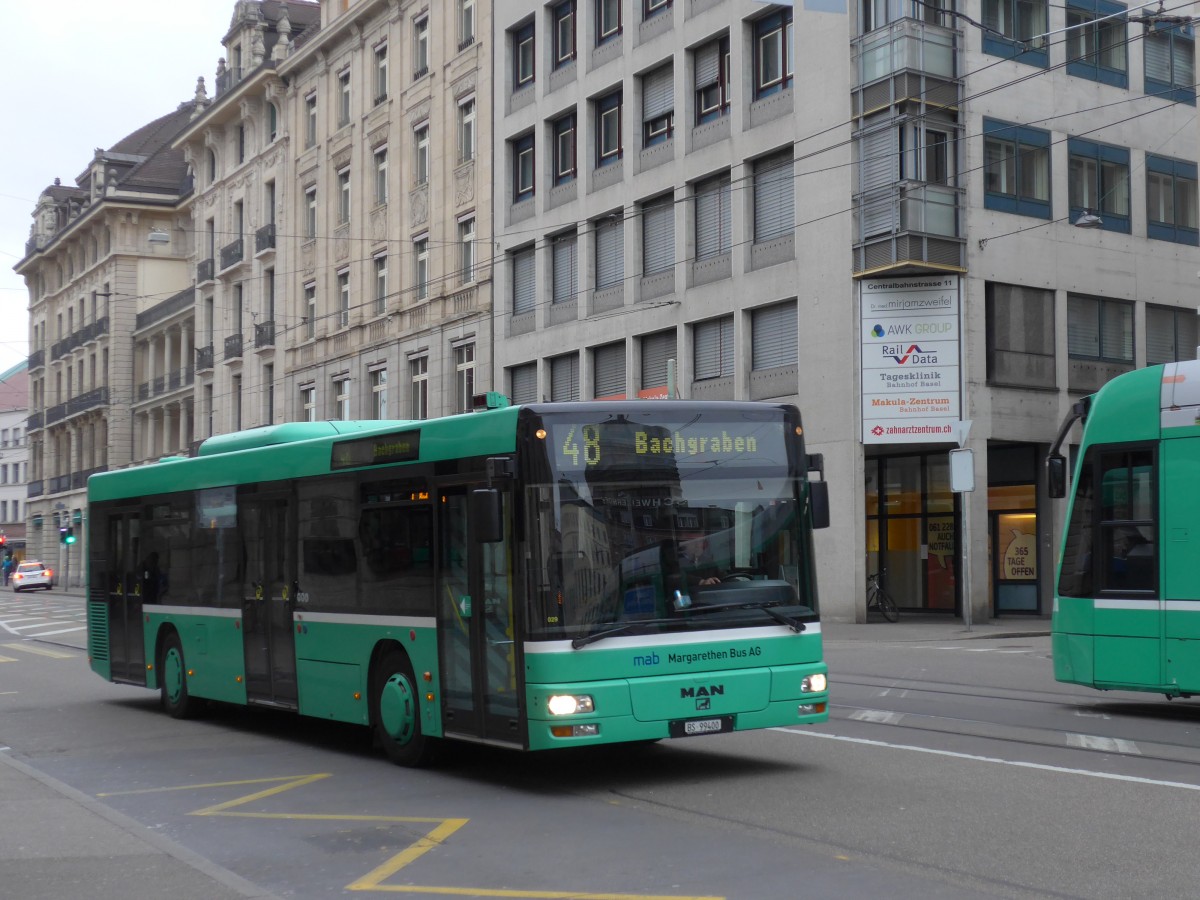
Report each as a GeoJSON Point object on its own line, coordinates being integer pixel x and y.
{"type": "Point", "coordinates": [382, 449]}
{"type": "Point", "coordinates": [626, 444]}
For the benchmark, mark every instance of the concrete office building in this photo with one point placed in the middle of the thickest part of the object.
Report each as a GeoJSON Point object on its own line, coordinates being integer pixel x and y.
{"type": "Point", "coordinates": [894, 218]}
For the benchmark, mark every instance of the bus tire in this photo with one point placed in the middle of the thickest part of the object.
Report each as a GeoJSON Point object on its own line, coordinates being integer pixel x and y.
{"type": "Point", "coordinates": [396, 712]}
{"type": "Point", "coordinates": [172, 679]}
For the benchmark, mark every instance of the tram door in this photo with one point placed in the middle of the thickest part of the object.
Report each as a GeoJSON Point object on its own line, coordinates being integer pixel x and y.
{"type": "Point", "coordinates": [475, 624]}
{"type": "Point", "coordinates": [268, 599]}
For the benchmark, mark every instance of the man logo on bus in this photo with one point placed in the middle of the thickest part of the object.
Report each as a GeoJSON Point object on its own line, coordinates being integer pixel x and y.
{"type": "Point", "coordinates": [712, 690]}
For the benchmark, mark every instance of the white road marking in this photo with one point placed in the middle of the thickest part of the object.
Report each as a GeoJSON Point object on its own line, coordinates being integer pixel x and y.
{"type": "Point", "coordinates": [60, 631]}
{"type": "Point", "coordinates": [1106, 744]}
{"type": "Point", "coordinates": [882, 716]}
{"type": "Point", "coordinates": [1017, 763]}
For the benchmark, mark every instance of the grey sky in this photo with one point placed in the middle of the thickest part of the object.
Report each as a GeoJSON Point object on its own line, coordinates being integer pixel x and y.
{"type": "Point", "coordinates": [82, 75]}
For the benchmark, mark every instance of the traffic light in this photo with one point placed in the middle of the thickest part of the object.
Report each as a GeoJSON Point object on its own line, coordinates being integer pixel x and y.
{"type": "Point", "coordinates": [62, 534]}
{"type": "Point", "coordinates": [69, 538]}
{"type": "Point", "coordinates": [3, 539]}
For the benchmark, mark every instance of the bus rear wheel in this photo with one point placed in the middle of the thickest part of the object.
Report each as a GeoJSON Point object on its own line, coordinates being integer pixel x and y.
{"type": "Point", "coordinates": [172, 679]}
{"type": "Point", "coordinates": [396, 712]}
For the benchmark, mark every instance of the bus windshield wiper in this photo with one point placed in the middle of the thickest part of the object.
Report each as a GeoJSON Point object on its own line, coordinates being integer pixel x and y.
{"type": "Point", "coordinates": [601, 633]}
{"type": "Point", "coordinates": [767, 607]}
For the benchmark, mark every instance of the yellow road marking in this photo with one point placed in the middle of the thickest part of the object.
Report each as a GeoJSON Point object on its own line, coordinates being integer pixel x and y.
{"type": "Point", "coordinates": [7, 659]}
{"type": "Point", "coordinates": [373, 880]}
{"type": "Point", "coordinates": [40, 651]}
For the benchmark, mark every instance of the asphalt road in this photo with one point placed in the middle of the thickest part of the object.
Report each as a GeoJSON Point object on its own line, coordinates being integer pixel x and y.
{"type": "Point", "coordinates": [952, 770]}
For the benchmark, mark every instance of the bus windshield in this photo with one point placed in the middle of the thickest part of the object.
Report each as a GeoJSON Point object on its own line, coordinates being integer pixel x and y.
{"type": "Point", "coordinates": [667, 527]}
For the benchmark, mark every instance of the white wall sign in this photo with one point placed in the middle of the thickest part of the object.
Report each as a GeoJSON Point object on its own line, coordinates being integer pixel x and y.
{"type": "Point", "coordinates": [910, 359]}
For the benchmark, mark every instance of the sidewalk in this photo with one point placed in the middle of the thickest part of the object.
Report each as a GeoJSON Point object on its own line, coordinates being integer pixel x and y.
{"type": "Point", "coordinates": [59, 844]}
{"type": "Point", "coordinates": [925, 627]}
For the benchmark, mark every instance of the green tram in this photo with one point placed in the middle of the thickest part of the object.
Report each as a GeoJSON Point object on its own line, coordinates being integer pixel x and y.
{"type": "Point", "coordinates": [1127, 599]}
{"type": "Point", "coordinates": [533, 577]}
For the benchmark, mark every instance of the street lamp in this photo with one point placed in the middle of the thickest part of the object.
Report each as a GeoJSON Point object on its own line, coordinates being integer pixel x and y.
{"type": "Point", "coordinates": [157, 236]}
{"type": "Point", "coordinates": [1088, 219]}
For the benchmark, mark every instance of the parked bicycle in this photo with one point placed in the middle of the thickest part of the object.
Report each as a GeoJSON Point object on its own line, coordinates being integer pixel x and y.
{"type": "Point", "coordinates": [879, 598]}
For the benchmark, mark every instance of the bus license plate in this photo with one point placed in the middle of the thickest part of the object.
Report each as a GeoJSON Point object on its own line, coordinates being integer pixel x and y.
{"type": "Point", "coordinates": [690, 727]}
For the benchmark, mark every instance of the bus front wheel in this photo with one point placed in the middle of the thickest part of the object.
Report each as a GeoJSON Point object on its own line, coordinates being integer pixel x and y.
{"type": "Point", "coordinates": [172, 679]}
{"type": "Point", "coordinates": [397, 712]}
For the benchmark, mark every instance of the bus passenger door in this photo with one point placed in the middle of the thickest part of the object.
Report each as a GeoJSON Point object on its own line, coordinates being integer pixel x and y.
{"type": "Point", "coordinates": [127, 650]}
{"type": "Point", "coordinates": [475, 625]}
{"type": "Point", "coordinates": [267, 600]}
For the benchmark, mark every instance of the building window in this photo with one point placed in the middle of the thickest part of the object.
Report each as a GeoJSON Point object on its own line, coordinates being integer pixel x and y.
{"type": "Point", "coordinates": [1016, 169]}
{"type": "Point", "coordinates": [658, 235]}
{"type": "Point", "coordinates": [418, 376]}
{"type": "Point", "coordinates": [564, 378]}
{"type": "Point", "coordinates": [658, 105]}
{"type": "Point", "coordinates": [563, 17]}
{"type": "Point", "coordinates": [1170, 334]}
{"type": "Point", "coordinates": [657, 352]}
{"type": "Point", "coordinates": [1171, 200]}
{"type": "Point", "coordinates": [381, 179]}
{"type": "Point", "coordinates": [523, 56]}
{"type": "Point", "coordinates": [310, 120]}
{"type": "Point", "coordinates": [341, 398]}
{"type": "Point", "coordinates": [236, 412]}
{"type": "Point", "coordinates": [712, 80]}
{"type": "Point", "coordinates": [651, 8]}
{"type": "Point", "coordinates": [1096, 41]}
{"type": "Point", "coordinates": [310, 310]}
{"type": "Point", "coordinates": [421, 154]}
{"type": "Point", "coordinates": [343, 289]}
{"type": "Point", "coordinates": [308, 403]}
{"type": "Point", "coordinates": [524, 282]}
{"type": "Point", "coordinates": [466, 130]}
{"type": "Point", "coordinates": [1170, 53]}
{"type": "Point", "coordinates": [564, 149]}
{"type": "Point", "coordinates": [381, 288]}
{"type": "Point", "coordinates": [773, 53]}
{"type": "Point", "coordinates": [381, 74]}
{"type": "Point", "coordinates": [420, 48]}
{"type": "Point", "coordinates": [421, 268]}
{"type": "Point", "coordinates": [565, 265]}
{"type": "Point", "coordinates": [466, 23]}
{"type": "Point", "coordinates": [608, 20]}
{"type": "Point", "coordinates": [1016, 29]}
{"type": "Point", "coordinates": [1099, 329]}
{"type": "Point", "coordinates": [774, 338]}
{"type": "Point", "coordinates": [241, 143]}
{"type": "Point", "coordinates": [1020, 336]}
{"type": "Point", "coordinates": [774, 197]}
{"type": "Point", "coordinates": [523, 168]}
{"type": "Point", "coordinates": [1098, 181]}
{"type": "Point", "coordinates": [379, 398]}
{"type": "Point", "coordinates": [310, 213]}
{"type": "Point", "coordinates": [522, 383]}
{"type": "Point", "coordinates": [610, 251]}
{"type": "Point", "coordinates": [343, 178]}
{"type": "Point", "coordinates": [464, 376]}
{"type": "Point", "coordinates": [268, 394]}
{"type": "Point", "coordinates": [466, 248]}
{"type": "Point", "coordinates": [343, 98]}
{"type": "Point", "coordinates": [608, 128]}
{"type": "Point", "coordinates": [608, 367]}
{"type": "Point", "coordinates": [713, 230]}
{"type": "Point", "coordinates": [712, 350]}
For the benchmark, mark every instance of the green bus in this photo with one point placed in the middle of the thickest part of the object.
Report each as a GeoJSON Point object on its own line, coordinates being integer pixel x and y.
{"type": "Point", "coordinates": [1127, 597]}
{"type": "Point", "coordinates": [534, 577]}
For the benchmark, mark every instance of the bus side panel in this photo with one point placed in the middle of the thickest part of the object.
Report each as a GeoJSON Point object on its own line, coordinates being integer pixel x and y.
{"type": "Point", "coordinates": [213, 651]}
{"type": "Point", "coordinates": [1128, 661]}
{"type": "Point", "coordinates": [1183, 665]}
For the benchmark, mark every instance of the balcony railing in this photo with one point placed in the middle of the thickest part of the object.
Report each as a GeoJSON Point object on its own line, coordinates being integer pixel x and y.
{"type": "Point", "coordinates": [906, 44]}
{"type": "Point", "coordinates": [908, 224]}
{"type": "Point", "coordinates": [90, 400]}
{"type": "Point", "coordinates": [34, 422]}
{"type": "Point", "coordinates": [264, 335]}
{"type": "Point", "coordinates": [233, 347]}
{"type": "Point", "coordinates": [204, 358]}
{"type": "Point", "coordinates": [233, 253]}
{"type": "Point", "coordinates": [264, 238]}
{"type": "Point", "coordinates": [36, 489]}
{"type": "Point", "coordinates": [37, 359]}
{"type": "Point", "coordinates": [204, 270]}
{"type": "Point", "coordinates": [78, 338]}
{"type": "Point", "coordinates": [56, 413]}
{"type": "Point", "coordinates": [60, 483]}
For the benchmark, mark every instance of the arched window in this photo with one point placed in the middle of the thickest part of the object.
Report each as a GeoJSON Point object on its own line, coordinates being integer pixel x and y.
{"type": "Point", "coordinates": [272, 122]}
{"type": "Point", "coordinates": [211, 159]}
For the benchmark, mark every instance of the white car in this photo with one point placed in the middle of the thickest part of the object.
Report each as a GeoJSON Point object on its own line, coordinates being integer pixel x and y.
{"type": "Point", "coordinates": [31, 575]}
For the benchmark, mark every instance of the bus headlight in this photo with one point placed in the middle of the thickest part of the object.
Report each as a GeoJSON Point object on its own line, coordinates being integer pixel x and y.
{"type": "Point", "coordinates": [569, 704]}
{"type": "Point", "coordinates": [814, 684]}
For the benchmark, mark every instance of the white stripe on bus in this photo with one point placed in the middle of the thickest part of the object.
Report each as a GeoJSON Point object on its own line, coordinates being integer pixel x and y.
{"type": "Point", "coordinates": [1144, 605]}
{"type": "Point", "coordinates": [675, 639]}
{"type": "Point", "coordinates": [209, 612]}
{"type": "Point", "coordinates": [359, 619]}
